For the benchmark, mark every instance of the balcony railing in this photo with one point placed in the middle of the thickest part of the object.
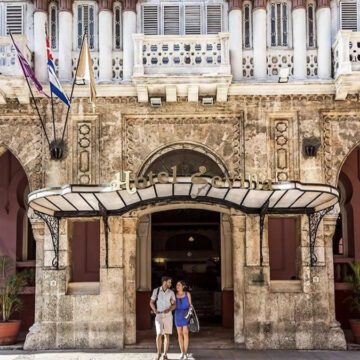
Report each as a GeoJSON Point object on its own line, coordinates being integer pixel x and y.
{"type": "Point", "coordinates": [346, 53]}
{"type": "Point", "coordinates": [8, 60]}
{"type": "Point", "coordinates": [181, 54]}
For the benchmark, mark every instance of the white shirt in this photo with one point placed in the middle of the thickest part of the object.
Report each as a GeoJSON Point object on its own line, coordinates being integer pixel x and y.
{"type": "Point", "coordinates": [164, 300]}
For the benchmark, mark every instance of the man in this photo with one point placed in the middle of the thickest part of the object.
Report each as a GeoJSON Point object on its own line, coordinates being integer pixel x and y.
{"type": "Point", "coordinates": [162, 303]}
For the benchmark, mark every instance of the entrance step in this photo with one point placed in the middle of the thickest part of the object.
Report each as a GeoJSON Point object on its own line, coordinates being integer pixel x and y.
{"type": "Point", "coordinates": [208, 338]}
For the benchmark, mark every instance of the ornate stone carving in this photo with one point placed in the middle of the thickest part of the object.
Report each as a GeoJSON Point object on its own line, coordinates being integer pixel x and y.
{"type": "Point", "coordinates": [85, 145]}
{"type": "Point", "coordinates": [323, 3]}
{"type": "Point", "coordinates": [145, 134]}
{"type": "Point", "coordinates": [296, 4]}
{"type": "Point", "coordinates": [105, 4]}
{"type": "Point", "coordinates": [235, 4]}
{"type": "Point", "coordinates": [326, 141]}
{"type": "Point", "coordinates": [129, 5]}
{"type": "Point", "coordinates": [281, 170]}
{"type": "Point", "coordinates": [260, 4]}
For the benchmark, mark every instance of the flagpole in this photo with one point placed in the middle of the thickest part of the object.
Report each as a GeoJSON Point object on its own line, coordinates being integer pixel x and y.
{"type": "Point", "coordinates": [73, 85]}
{"type": "Point", "coordinates": [51, 94]}
{"type": "Point", "coordinates": [32, 95]}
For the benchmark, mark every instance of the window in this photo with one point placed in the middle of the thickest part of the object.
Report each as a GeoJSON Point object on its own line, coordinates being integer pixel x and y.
{"type": "Point", "coordinates": [86, 22]}
{"type": "Point", "coordinates": [11, 18]}
{"type": "Point", "coordinates": [247, 10]}
{"type": "Point", "coordinates": [117, 26]}
{"type": "Point", "coordinates": [279, 24]}
{"type": "Point", "coordinates": [311, 25]}
{"type": "Point", "coordinates": [53, 26]}
{"type": "Point", "coordinates": [85, 251]}
{"type": "Point", "coordinates": [349, 15]}
{"type": "Point", "coordinates": [283, 237]}
{"type": "Point", "coordinates": [182, 19]}
{"type": "Point", "coordinates": [171, 23]}
{"type": "Point", "coordinates": [150, 19]}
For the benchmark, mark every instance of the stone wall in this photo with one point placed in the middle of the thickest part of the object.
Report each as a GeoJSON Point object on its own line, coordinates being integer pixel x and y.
{"type": "Point", "coordinates": [119, 133]}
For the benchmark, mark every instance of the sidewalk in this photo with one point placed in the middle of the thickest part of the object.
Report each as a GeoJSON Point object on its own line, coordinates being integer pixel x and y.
{"type": "Point", "coordinates": [134, 354]}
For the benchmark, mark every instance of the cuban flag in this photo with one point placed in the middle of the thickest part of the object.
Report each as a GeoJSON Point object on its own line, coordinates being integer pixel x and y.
{"type": "Point", "coordinates": [55, 86]}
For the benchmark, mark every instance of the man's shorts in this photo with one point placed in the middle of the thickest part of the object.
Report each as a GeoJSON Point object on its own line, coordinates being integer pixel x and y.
{"type": "Point", "coordinates": [164, 323]}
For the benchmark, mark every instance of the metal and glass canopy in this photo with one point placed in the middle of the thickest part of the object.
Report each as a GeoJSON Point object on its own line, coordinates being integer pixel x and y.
{"type": "Point", "coordinates": [91, 200]}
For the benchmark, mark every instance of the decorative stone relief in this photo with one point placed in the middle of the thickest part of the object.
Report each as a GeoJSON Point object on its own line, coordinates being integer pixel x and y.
{"type": "Point", "coordinates": [86, 151]}
{"type": "Point", "coordinates": [145, 134]}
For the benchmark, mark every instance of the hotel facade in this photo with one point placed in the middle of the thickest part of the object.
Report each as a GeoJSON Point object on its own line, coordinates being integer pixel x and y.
{"type": "Point", "coordinates": [255, 107]}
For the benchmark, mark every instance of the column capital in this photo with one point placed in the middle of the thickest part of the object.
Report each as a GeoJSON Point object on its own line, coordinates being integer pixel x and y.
{"type": "Point", "coordinates": [41, 5]}
{"type": "Point", "coordinates": [259, 4]}
{"type": "Point", "coordinates": [235, 5]}
{"type": "Point", "coordinates": [105, 4]}
{"type": "Point", "coordinates": [65, 5]}
{"type": "Point", "coordinates": [323, 3]}
{"type": "Point", "coordinates": [129, 5]}
{"type": "Point", "coordinates": [298, 4]}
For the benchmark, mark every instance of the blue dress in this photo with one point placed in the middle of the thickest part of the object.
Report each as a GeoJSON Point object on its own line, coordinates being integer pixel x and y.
{"type": "Point", "coordinates": [182, 308]}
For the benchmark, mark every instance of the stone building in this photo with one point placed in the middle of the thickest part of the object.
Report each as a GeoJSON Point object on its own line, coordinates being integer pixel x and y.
{"type": "Point", "coordinates": [263, 94]}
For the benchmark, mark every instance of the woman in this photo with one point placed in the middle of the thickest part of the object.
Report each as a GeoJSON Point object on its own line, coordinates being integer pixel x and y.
{"type": "Point", "coordinates": [183, 305]}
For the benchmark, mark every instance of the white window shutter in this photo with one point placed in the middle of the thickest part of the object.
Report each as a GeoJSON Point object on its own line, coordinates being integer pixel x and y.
{"type": "Point", "coordinates": [213, 19]}
{"type": "Point", "coordinates": [192, 19]}
{"type": "Point", "coordinates": [151, 19]}
{"type": "Point", "coordinates": [14, 19]}
{"type": "Point", "coordinates": [348, 15]}
{"type": "Point", "coordinates": [171, 19]}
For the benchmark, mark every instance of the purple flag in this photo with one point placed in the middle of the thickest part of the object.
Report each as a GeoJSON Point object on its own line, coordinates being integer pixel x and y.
{"type": "Point", "coordinates": [26, 68]}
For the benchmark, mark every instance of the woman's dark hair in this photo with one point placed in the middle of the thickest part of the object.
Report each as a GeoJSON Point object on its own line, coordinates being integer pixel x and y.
{"type": "Point", "coordinates": [183, 283]}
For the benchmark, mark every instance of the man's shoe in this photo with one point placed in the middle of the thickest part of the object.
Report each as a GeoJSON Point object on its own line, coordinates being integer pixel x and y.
{"type": "Point", "coordinates": [182, 357]}
{"type": "Point", "coordinates": [165, 357]}
{"type": "Point", "coordinates": [157, 357]}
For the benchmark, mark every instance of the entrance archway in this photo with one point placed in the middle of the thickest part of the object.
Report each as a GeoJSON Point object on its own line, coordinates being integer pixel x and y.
{"type": "Point", "coordinates": [346, 240]}
{"type": "Point", "coordinates": [16, 237]}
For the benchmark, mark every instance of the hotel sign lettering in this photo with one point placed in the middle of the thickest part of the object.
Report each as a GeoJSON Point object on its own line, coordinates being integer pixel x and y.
{"type": "Point", "coordinates": [125, 180]}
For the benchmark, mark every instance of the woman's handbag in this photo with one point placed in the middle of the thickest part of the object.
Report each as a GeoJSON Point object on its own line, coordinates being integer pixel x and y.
{"type": "Point", "coordinates": [194, 325]}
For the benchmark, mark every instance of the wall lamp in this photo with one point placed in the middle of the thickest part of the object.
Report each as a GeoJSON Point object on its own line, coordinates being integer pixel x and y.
{"type": "Point", "coordinates": [311, 146]}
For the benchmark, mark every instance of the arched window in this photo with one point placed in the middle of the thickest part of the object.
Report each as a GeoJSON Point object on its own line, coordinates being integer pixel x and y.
{"type": "Point", "coordinates": [53, 25]}
{"type": "Point", "coordinates": [278, 23]}
{"type": "Point", "coordinates": [310, 24]}
{"type": "Point", "coordinates": [117, 11]}
{"type": "Point", "coordinates": [86, 20]}
{"type": "Point", "coordinates": [247, 24]}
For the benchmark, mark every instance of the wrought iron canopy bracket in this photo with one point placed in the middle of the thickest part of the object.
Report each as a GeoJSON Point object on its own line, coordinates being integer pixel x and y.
{"type": "Point", "coordinates": [104, 215]}
{"type": "Point", "coordinates": [53, 225]}
{"type": "Point", "coordinates": [263, 212]}
{"type": "Point", "coordinates": [314, 222]}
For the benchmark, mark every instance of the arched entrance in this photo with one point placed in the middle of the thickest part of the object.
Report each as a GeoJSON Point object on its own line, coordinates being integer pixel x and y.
{"type": "Point", "coordinates": [346, 240]}
{"type": "Point", "coordinates": [16, 237]}
{"type": "Point", "coordinates": [188, 244]}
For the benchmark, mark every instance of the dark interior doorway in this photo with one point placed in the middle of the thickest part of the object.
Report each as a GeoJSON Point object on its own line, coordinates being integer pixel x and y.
{"type": "Point", "coordinates": [186, 245]}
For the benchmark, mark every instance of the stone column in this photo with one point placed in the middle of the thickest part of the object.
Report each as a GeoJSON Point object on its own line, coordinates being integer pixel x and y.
{"type": "Point", "coordinates": [323, 17]}
{"type": "Point", "coordinates": [259, 38]}
{"type": "Point", "coordinates": [334, 19]}
{"type": "Point", "coordinates": [299, 38]}
{"type": "Point", "coordinates": [235, 30]}
{"type": "Point", "coordinates": [129, 28]}
{"type": "Point", "coordinates": [105, 40]}
{"type": "Point", "coordinates": [65, 40]}
{"type": "Point", "coordinates": [129, 240]}
{"type": "Point", "coordinates": [238, 222]}
{"type": "Point", "coordinates": [40, 21]}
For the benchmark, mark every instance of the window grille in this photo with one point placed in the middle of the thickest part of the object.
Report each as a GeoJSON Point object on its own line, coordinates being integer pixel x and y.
{"type": "Point", "coordinates": [247, 26]}
{"type": "Point", "coordinates": [311, 25]}
{"type": "Point", "coordinates": [279, 24]}
{"type": "Point", "coordinates": [53, 26]}
{"type": "Point", "coordinates": [86, 23]}
{"type": "Point", "coordinates": [117, 26]}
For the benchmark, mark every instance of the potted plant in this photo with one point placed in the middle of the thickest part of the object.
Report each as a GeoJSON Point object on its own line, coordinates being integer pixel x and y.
{"type": "Point", "coordinates": [354, 281]}
{"type": "Point", "coordinates": [11, 283]}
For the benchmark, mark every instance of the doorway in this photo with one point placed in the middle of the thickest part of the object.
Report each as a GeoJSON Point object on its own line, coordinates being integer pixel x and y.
{"type": "Point", "coordinates": [186, 246]}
